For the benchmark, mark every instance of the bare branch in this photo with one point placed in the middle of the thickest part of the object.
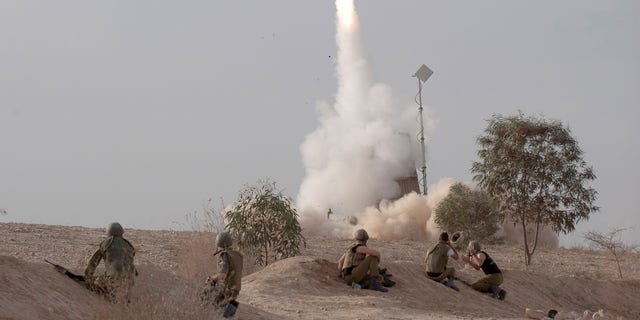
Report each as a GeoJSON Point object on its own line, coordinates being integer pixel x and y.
{"type": "Point", "coordinates": [609, 241]}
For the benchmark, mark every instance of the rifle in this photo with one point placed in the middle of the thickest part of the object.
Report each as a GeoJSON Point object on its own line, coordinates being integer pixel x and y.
{"type": "Point", "coordinates": [63, 270]}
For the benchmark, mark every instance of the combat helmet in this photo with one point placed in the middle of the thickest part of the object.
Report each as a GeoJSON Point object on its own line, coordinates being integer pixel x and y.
{"type": "Point", "coordinates": [115, 229]}
{"type": "Point", "coordinates": [223, 240]}
{"type": "Point", "coordinates": [361, 236]}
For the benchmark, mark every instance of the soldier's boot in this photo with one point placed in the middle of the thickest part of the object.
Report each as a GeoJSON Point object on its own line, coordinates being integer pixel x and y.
{"type": "Point", "coordinates": [373, 285]}
{"type": "Point", "coordinates": [452, 284]}
{"type": "Point", "coordinates": [387, 282]}
{"type": "Point", "coordinates": [230, 309]}
{"type": "Point", "coordinates": [495, 291]}
{"type": "Point", "coordinates": [502, 294]}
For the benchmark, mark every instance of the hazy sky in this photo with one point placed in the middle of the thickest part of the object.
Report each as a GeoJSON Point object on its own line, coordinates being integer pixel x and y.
{"type": "Point", "coordinates": [139, 111]}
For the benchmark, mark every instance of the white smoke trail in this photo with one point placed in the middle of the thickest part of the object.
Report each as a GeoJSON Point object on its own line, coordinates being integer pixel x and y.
{"type": "Point", "coordinates": [363, 143]}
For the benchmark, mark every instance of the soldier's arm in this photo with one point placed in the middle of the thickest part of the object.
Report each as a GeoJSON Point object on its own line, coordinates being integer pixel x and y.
{"type": "Point", "coordinates": [454, 252]}
{"type": "Point", "coordinates": [93, 264]}
{"type": "Point", "coordinates": [476, 260]}
{"type": "Point", "coordinates": [223, 268]}
{"type": "Point", "coordinates": [218, 276]}
{"type": "Point", "coordinates": [368, 251]}
{"type": "Point", "coordinates": [341, 261]}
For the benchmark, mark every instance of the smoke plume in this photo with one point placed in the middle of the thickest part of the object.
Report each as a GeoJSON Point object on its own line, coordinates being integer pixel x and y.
{"type": "Point", "coordinates": [364, 141]}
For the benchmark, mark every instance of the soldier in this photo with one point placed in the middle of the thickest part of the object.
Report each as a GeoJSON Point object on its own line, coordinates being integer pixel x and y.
{"type": "Point", "coordinates": [479, 259]}
{"type": "Point", "coordinates": [118, 276]}
{"type": "Point", "coordinates": [359, 264]}
{"type": "Point", "coordinates": [230, 272]}
{"type": "Point", "coordinates": [437, 259]}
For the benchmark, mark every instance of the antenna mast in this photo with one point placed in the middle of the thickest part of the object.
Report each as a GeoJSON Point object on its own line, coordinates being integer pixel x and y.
{"type": "Point", "coordinates": [422, 74]}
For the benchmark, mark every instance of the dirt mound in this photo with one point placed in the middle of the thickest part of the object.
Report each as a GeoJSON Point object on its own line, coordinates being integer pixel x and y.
{"type": "Point", "coordinates": [173, 264]}
{"type": "Point", "coordinates": [36, 291]}
{"type": "Point", "coordinates": [309, 287]}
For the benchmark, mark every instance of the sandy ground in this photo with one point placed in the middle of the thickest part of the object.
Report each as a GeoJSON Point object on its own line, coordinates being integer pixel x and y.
{"type": "Point", "coordinates": [173, 264]}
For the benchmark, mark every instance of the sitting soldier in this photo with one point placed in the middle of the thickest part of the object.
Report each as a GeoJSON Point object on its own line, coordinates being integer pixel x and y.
{"type": "Point", "coordinates": [359, 264]}
{"type": "Point", "coordinates": [437, 259]}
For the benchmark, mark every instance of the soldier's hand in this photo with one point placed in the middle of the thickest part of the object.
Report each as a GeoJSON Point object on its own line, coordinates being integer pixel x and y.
{"type": "Point", "coordinates": [210, 281]}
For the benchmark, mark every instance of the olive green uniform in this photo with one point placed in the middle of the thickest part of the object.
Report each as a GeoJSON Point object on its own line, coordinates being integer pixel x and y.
{"type": "Point", "coordinates": [229, 262]}
{"type": "Point", "coordinates": [436, 261]}
{"type": "Point", "coordinates": [358, 267]}
{"type": "Point", "coordinates": [118, 276]}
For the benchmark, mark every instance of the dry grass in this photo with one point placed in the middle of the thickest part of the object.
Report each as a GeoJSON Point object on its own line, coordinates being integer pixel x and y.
{"type": "Point", "coordinates": [180, 300]}
{"type": "Point", "coordinates": [195, 257]}
{"type": "Point", "coordinates": [179, 303]}
{"type": "Point", "coordinates": [162, 296]}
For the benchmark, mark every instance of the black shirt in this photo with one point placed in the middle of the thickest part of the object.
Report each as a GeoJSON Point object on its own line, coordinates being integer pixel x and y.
{"type": "Point", "coordinates": [489, 266]}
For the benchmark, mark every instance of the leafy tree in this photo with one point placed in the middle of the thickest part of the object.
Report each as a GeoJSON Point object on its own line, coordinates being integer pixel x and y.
{"type": "Point", "coordinates": [609, 242]}
{"type": "Point", "coordinates": [471, 211]}
{"type": "Point", "coordinates": [264, 223]}
{"type": "Point", "coordinates": [534, 168]}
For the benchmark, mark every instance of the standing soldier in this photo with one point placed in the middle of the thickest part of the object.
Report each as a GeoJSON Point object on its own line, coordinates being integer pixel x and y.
{"type": "Point", "coordinates": [119, 270]}
{"type": "Point", "coordinates": [230, 272]}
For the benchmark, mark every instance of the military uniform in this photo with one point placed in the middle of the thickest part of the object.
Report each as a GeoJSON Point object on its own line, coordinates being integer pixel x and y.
{"type": "Point", "coordinates": [436, 261]}
{"type": "Point", "coordinates": [231, 263]}
{"type": "Point", "coordinates": [118, 277]}
{"type": "Point", "coordinates": [359, 267]}
{"type": "Point", "coordinates": [362, 268]}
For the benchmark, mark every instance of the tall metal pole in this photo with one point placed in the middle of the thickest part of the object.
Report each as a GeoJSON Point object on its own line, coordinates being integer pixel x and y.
{"type": "Point", "coordinates": [422, 74]}
{"type": "Point", "coordinates": [423, 168]}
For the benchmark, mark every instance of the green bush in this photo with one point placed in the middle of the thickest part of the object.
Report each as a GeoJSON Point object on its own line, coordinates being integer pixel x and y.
{"type": "Point", "coordinates": [471, 211]}
{"type": "Point", "coordinates": [264, 224]}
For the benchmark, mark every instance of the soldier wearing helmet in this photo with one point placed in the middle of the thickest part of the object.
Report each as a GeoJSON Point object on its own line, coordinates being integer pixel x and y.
{"type": "Point", "coordinates": [117, 253]}
{"type": "Point", "coordinates": [359, 264]}
{"type": "Point", "coordinates": [229, 274]}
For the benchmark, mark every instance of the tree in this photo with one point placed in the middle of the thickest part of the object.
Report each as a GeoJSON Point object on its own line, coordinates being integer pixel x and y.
{"type": "Point", "coordinates": [534, 168]}
{"type": "Point", "coordinates": [264, 223]}
{"type": "Point", "coordinates": [471, 211]}
{"type": "Point", "coordinates": [608, 242]}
